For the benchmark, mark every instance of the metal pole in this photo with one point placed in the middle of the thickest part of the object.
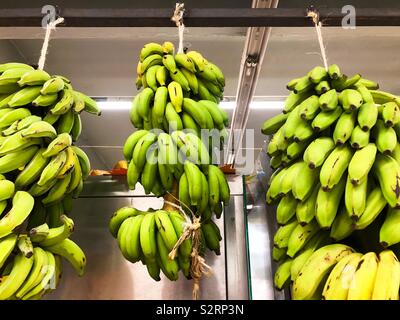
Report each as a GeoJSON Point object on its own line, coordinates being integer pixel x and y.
{"type": "Point", "coordinates": [205, 17]}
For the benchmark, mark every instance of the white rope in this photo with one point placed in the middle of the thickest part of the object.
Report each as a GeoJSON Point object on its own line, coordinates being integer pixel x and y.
{"type": "Point", "coordinates": [318, 29]}
{"type": "Point", "coordinates": [50, 26]}
{"type": "Point", "coordinates": [178, 19]}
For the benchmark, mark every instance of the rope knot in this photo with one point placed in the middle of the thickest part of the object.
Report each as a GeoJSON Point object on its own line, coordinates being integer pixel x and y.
{"type": "Point", "coordinates": [178, 14]}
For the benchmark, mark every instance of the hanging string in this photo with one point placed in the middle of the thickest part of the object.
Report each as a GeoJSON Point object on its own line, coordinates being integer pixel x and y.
{"type": "Point", "coordinates": [178, 19]}
{"type": "Point", "coordinates": [318, 28]}
{"type": "Point", "coordinates": [50, 26]}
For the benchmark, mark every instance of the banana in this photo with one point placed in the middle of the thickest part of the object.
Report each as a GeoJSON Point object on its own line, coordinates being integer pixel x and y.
{"type": "Point", "coordinates": [339, 280]}
{"type": "Point", "coordinates": [293, 100]}
{"type": "Point", "coordinates": [58, 191]}
{"type": "Point", "coordinates": [9, 88]}
{"type": "Point", "coordinates": [369, 84]}
{"type": "Point", "coordinates": [303, 85]}
{"type": "Point", "coordinates": [24, 96]}
{"type": "Point", "coordinates": [387, 279]}
{"type": "Point", "coordinates": [90, 105]}
{"type": "Point", "coordinates": [64, 104]}
{"type": "Point", "coordinates": [315, 269]}
{"type": "Point", "coordinates": [34, 78]}
{"type": "Point", "coordinates": [212, 237]}
{"type": "Point", "coordinates": [193, 175]}
{"type": "Point", "coordinates": [179, 223]}
{"type": "Point", "coordinates": [176, 95]}
{"type": "Point", "coordinates": [362, 284]}
{"type": "Point", "coordinates": [300, 236]}
{"type": "Point", "coordinates": [322, 87]}
{"type": "Point", "coordinates": [39, 129]}
{"type": "Point", "coordinates": [141, 148]}
{"type": "Point", "coordinates": [160, 102]}
{"type": "Point", "coordinates": [390, 114]}
{"type": "Point", "coordinates": [183, 195]}
{"type": "Point", "coordinates": [342, 226]}
{"type": "Point", "coordinates": [133, 238]}
{"type": "Point", "coordinates": [309, 108]}
{"type": "Point", "coordinates": [134, 115]}
{"type": "Point", "coordinates": [149, 61]}
{"type": "Point", "coordinates": [355, 198]}
{"type": "Point", "coordinates": [14, 65]}
{"type": "Point", "coordinates": [14, 115]}
{"type": "Point", "coordinates": [123, 235]}
{"type": "Point", "coordinates": [359, 138]}
{"type": "Point", "coordinates": [148, 241]}
{"type": "Point", "coordinates": [45, 100]}
{"type": "Point", "coordinates": [119, 216]}
{"type": "Point", "coordinates": [7, 189]}
{"type": "Point", "coordinates": [83, 160]}
{"type": "Point", "coordinates": [327, 204]}
{"type": "Point", "coordinates": [388, 234]}
{"type": "Point", "coordinates": [49, 118]}
{"type": "Point", "coordinates": [19, 273]}
{"type": "Point", "coordinates": [305, 210]}
{"type": "Point", "coordinates": [66, 122]}
{"type": "Point", "coordinates": [334, 166]}
{"type": "Point", "coordinates": [334, 71]}
{"type": "Point", "coordinates": [179, 77]}
{"type": "Point", "coordinates": [18, 159]}
{"type": "Point", "coordinates": [17, 142]}
{"type": "Point", "coordinates": [282, 274]}
{"type": "Point", "coordinates": [69, 250]}
{"type": "Point", "coordinates": [169, 62]}
{"type": "Point", "coordinates": [79, 103]}
{"type": "Point", "coordinates": [24, 245]}
{"type": "Point", "coordinates": [387, 171]}
{"type": "Point", "coordinates": [381, 97]}
{"type": "Point", "coordinates": [292, 123]}
{"type": "Point", "coordinates": [318, 74]}
{"type": "Point", "coordinates": [329, 100]}
{"type": "Point", "coordinates": [76, 129]}
{"type": "Point", "coordinates": [173, 118]}
{"type": "Point", "coordinates": [59, 144]}
{"type": "Point", "coordinates": [304, 182]}
{"type": "Point", "coordinates": [132, 175]}
{"type": "Point", "coordinates": [385, 137]}
{"type": "Point", "coordinates": [53, 168]}
{"type": "Point", "coordinates": [282, 235]}
{"type": "Point", "coordinates": [39, 233]}
{"type": "Point", "coordinates": [344, 127]}
{"type": "Point", "coordinates": [296, 149]}
{"type": "Point", "coordinates": [7, 245]}
{"type": "Point", "coordinates": [374, 206]}
{"type": "Point", "coordinates": [287, 182]}
{"type": "Point", "coordinates": [40, 264]}
{"type": "Point", "coordinates": [318, 151]}
{"type": "Point", "coordinates": [318, 240]}
{"type": "Point", "coordinates": [197, 59]}
{"type": "Point", "coordinates": [224, 190]}
{"type": "Point", "coordinates": [150, 49]}
{"type": "Point", "coordinates": [162, 75]}
{"type": "Point", "coordinates": [167, 150]}
{"type": "Point", "coordinates": [145, 99]}
{"type": "Point", "coordinates": [191, 80]}
{"type": "Point", "coordinates": [151, 79]}
{"type": "Point", "coordinates": [11, 129]}
{"type": "Point", "coordinates": [52, 86]}
{"type": "Point", "coordinates": [166, 229]}
{"type": "Point", "coordinates": [324, 119]}
{"type": "Point", "coordinates": [58, 234]}
{"type": "Point", "coordinates": [38, 191]}
{"type": "Point", "coordinates": [350, 100]}
{"type": "Point", "coordinates": [131, 142]}
{"type": "Point", "coordinates": [286, 209]}
{"type": "Point", "coordinates": [278, 254]}
{"type": "Point", "coordinates": [275, 183]}
{"type": "Point", "coordinates": [364, 92]}
{"type": "Point", "coordinates": [169, 267]}
{"type": "Point", "coordinates": [361, 163]}
{"type": "Point", "coordinates": [292, 83]}
{"type": "Point", "coordinates": [150, 170]}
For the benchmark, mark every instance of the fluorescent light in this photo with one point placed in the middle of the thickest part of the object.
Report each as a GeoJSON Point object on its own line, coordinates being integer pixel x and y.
{"type": "Point", "coordinates": [120, 105]}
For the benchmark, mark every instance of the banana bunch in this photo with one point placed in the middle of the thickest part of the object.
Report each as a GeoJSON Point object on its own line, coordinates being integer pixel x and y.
{"type": "Point", "coordinates": [41, 172]}
{"type": "Point", "coordinates": [336, 155]}
{"type": "Point", "coordinates": [180, 91]}
{"type": "Point", "coordinates": [31, 265]}
{"type": "Point", "coordinates": [150, 236]}
{"type": "Point", "coordinates": [337, 272]}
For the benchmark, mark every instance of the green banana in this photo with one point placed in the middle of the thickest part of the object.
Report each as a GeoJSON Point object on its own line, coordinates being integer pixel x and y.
{"type": "Point", "coordinates": [344, 127]}
{"type": "Point", "coordinates": [375, 204]}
